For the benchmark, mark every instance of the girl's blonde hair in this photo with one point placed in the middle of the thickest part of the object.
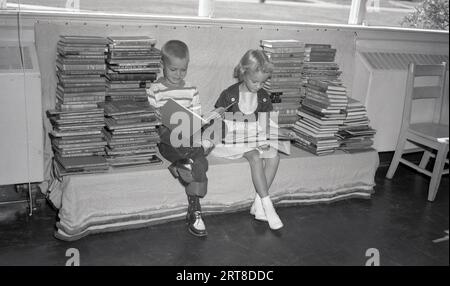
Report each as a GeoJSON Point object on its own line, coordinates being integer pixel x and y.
{"type": "Point", "coordinates": [253, 61]}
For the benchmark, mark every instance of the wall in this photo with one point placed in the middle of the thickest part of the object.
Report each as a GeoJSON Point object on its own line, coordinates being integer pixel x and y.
{"type": "Point", "coordinates": [215, 50]}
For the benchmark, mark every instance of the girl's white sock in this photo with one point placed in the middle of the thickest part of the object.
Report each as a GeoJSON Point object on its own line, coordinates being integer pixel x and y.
{"type": "Point", "coordinates": [272, 216]}
{"type": "Point", "coordinates": [257, 209]}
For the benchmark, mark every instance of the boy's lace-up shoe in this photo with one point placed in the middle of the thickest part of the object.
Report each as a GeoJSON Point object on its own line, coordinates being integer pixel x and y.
{"type": "Point", "coordinates": [196, 226]}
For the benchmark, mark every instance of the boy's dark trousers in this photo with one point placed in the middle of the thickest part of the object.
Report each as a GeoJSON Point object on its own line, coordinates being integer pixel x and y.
{"type": "Point", "coordinates": [198, 186]}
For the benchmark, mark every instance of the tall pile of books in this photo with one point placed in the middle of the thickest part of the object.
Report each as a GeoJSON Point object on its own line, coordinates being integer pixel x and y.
{"type": "Point", "coordinates": [131, 134]}
{"type": "Point", "coordinates": [284, 85]}
{"type": "Point", "coordinates": [133, 63]}
{"type": "Point", "coordinates": [319, 117]}
{"type": "Point", "coordinates": [355, 135]}
{"type": "Point", "coordinates": [80, 65]}
{"type": "Point", "coordinates": [77, 119]}
{"type": "Point", "coordinates": [320, 64]}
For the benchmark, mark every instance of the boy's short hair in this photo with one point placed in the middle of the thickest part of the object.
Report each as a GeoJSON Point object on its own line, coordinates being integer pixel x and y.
{"type": "Point", "coordinates": [174, 48]}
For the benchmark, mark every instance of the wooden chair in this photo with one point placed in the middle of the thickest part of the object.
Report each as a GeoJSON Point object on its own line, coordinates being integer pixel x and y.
{"type": "Point", "coordinates": [426, 136]}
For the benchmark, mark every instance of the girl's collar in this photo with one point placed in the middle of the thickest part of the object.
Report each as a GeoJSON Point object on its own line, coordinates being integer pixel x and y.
{"type": "Point", "coordinates": [244, 91]}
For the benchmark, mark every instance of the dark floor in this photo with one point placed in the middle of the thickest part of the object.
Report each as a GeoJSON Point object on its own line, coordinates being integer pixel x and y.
{"type": "Point", "coordinates": [398, 221]}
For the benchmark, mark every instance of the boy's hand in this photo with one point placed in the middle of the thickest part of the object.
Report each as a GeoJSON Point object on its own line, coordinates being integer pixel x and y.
{"type": "Point", "coordinates": [208, 146]}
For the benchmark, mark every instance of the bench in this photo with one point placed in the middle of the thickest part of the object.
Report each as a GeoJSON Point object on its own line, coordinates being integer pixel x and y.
{"type": "Point", "coordinates": [142, 196]}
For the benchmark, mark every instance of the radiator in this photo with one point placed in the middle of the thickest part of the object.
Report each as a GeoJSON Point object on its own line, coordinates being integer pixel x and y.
{"type": "Point", "coordinates": [21, 129]}
{"type": "Point", "coordinates": [380, 81]}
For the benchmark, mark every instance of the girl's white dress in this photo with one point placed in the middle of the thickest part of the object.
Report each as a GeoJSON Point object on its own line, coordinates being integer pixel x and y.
{"type": "Point", "coordinates": [243, 137]}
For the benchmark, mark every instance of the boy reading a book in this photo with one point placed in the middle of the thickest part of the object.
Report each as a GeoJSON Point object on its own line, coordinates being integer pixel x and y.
{"type": "Point", "coordinates": [189, 163]}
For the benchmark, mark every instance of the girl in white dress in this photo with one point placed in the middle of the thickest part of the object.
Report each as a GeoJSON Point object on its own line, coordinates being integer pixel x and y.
{"type": "Point", "coordinates": [252, 105]}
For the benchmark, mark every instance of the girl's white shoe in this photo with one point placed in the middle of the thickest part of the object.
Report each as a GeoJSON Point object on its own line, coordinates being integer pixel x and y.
{"type": "Point", "coordinates": [257, 209]}
{"type": "Point", "coordinates": [272, 216]}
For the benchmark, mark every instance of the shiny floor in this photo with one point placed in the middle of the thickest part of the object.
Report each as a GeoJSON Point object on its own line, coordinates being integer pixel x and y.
{"type": "Point", "coordinates": [397, 223]}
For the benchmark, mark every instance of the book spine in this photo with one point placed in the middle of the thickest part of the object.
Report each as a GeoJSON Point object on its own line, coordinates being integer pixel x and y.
{"type": "Point", "coordinates": [81, 72]}
{"type": "Point", "coordinates": [285, 55]}
{"type": "Point", "coordinates": [70, 107]}
{"type": "Point", "coordinates": [67, 67]}
{"type": "Point", "coordinates": [82, 89]}
{"type": "Point", "coordinates": [286, 75]}
{"type": "Point", "coordinates": [284, 50]}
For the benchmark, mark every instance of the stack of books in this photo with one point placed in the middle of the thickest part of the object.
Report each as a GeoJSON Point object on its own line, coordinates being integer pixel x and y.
{"type": "Point", "coordinates": [321, 113]}
{"type": "Point", "coordinates": [133, 63]}
{"type": "Point", "coordinates": [80, 65]}
{"type": "Point", "coordinates": [77, 139]}
{"type": "Point", "coordinates": [287, 113]}
{"type": "Point", "coordinates": [320, 64]}
{"type": "Point", "coordinates": [355, 135]}
{"type": "Point", "coordinates": [321, 71]}
{"type": "Point", "coordinates": [284, 85]}
{"type": "Point", "coordinates": [131, 133]}
{"type": "Point", "coordinates": [325, 96]}
{"type": "Point", "coordinates": [319, 53]}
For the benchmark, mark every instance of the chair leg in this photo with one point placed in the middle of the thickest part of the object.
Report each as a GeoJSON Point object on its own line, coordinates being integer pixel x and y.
{"type": "Point", "coordinates": [425, 159]}
{"type": "Point", "coordinates": [397, 155]}
{"type": "Point", "coordinates": [437, 172]}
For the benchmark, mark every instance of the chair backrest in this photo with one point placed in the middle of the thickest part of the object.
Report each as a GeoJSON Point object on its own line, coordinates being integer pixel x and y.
{"type": "Point", "coordinates": [436, 74]}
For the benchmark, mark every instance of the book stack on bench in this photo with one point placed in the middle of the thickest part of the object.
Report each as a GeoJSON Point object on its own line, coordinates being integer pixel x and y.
{"type": "Point", "coordinates": [320, 115]}
{"type": "Point", "coordinates": [320, 64]}
{"type": "Point", "coordinates": [355, 135]}
{"type": "Point", "coordinates": [284, 85]}
{"type": "Point", "coordinates": [80, 67]}
{"type": "Point", "coordinates": [77, 141]}
{"type": "Point", "coordinates": [131, 134]}
{"type": "Point", "coordinates": [133, 63]}
{"type": "Point", "coordinates": [77, 120]}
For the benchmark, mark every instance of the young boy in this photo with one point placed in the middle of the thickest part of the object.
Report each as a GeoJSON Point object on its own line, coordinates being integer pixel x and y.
{"type": "Point", "coordinates": [189, 163]}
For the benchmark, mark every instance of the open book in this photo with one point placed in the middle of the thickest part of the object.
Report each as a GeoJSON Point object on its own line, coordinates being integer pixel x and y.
{"type": "Point", "coordinates": [171, 108]}
{"type": "Point", "coordinates": [443, 140]}
{"type": "Point", "coordinates": [248, 137]}
{"type": "Point", "coordinates": [252, 136]}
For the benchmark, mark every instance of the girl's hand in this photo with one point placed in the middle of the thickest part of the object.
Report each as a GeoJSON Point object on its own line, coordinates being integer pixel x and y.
{"type": "Point", "coordinates": [215, 114]}
{"type": "Point", "coordinates": [292, 134]}
{"type": "Point", "coordinates": [220, 111]}
{"type": "Point", "coordinates": [264, 147]}
{"type": "Point", "coordinates": [287, 133]}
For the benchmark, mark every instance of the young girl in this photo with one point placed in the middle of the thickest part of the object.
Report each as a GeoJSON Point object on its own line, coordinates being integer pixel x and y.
{"type": "Point", "coordinates": [251, 102]}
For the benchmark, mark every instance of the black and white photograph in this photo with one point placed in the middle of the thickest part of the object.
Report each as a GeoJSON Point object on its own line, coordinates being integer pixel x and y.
{"type": "Point", "coordinates": [226, 140]}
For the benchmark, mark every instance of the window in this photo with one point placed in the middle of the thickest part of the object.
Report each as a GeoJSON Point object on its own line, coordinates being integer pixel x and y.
{"type": "Point", "coordinates": [393, 13]}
